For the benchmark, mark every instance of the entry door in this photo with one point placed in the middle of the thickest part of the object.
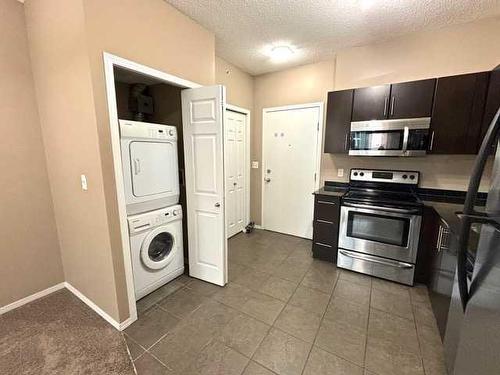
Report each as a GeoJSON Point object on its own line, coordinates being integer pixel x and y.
{"type": "Point", "coordinates": [290, 145]}
{"type": "Point", "coordinates": [235, 144]}
{"type": "Point", "coordinates": [202, 118]}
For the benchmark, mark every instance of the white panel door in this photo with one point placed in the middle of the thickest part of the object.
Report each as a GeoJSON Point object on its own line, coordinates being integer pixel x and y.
{"type": "Point", "coordinates": [147, 160]}
{"type": "Point", "coordinates": [289, 166]}
{"type": "Point", "coordinates": [202, 118]}
{"type": "Point", "coordinates": [235, 145]}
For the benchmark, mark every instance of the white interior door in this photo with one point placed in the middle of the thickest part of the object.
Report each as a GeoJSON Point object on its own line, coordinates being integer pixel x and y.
{"type": "Point", "coordinates": [202, 118]}
{"type": "Point", "coordinates": [235, 145]}
{"type": "Point", "coordinates": [290, 139]}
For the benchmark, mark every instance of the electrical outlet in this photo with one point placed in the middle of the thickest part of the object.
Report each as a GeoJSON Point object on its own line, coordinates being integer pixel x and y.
{"type": "Point", "coordinates": [255, 165]}
{"type": "Point", "coordinates": [83, 181]}
{"type": "Point", "coordinates": [340, 172]}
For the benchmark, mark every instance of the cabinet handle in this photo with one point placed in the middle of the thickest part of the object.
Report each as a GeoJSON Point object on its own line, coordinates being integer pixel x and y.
{"type": "Point", "coordinates": [345, 142]}
{"type": "Point", "coordinates": [393, 104]}
{"type": "Point", "coordinates": [326, 202]}
{"type": "Point", "coordinates": [324, 221]}
{"type": "Point", "coordinates": [386, 101]}
{"type": "Point", "coordinates": [432, 141]}
{"type": "Point", "coordinates": [440, 237]}
{"type": "Point", "coordinates": [322, 244]}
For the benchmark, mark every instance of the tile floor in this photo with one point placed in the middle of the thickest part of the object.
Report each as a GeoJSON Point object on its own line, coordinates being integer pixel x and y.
{"type": "Point", "coordinates": [285, 313]}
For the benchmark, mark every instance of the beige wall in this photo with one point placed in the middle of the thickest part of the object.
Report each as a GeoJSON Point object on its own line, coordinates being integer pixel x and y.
{"type": "Point", "coordinates": [305, 84]}
{"type": "Point", "coordinates": [239, 85]}
{"type": "Point", "coordinates": [29, 253]}
{"type": "Point", "coordinates": [453, 50]}
{"type": "Point", "coordinates": [64, 94]}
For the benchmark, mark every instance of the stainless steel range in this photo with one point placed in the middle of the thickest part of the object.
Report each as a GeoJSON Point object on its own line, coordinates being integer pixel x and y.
{"type": "Point", "coordinates": [380, 221]}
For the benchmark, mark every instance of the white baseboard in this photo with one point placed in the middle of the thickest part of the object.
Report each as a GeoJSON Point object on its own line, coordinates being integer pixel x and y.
{"type": "Point", "coordinates": [23, 301]}
{"type": "Point", "coordinates": [92, 305]}
{"type": "Point", "coordinates": [257, 226]}
{"type": "Point", "coordinates": [30, 298]}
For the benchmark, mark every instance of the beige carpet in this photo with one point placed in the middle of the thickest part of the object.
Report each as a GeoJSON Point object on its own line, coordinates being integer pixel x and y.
{"type": "Point", "coordinates": [59, 334]}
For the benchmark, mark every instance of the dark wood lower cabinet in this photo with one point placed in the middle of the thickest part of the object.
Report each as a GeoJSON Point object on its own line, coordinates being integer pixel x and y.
{"type": "Point", "coordinates": [326, 227]}
{"type": "Point", "coordinates": [427, 245]}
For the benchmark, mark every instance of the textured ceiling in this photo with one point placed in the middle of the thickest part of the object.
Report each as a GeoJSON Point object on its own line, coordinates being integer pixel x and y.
{"type": "Point", "coordinates": [318, 28]}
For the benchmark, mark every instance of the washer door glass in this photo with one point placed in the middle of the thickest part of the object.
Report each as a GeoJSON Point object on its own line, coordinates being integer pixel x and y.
{"type": "Point", "coordinates": [157, 254]}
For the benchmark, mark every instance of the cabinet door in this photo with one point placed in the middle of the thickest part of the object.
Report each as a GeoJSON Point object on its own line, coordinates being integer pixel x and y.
{"type": "Point", "coordinates": [371, 103]}
{"type": "Point", "coordinates": [492, 103]}
{"type": "Point", "coordinates": [457, 113]}
{"type": "Point", "coordinates": [338, 121]}
{"type": "Point", "coordinates": [412, 99]}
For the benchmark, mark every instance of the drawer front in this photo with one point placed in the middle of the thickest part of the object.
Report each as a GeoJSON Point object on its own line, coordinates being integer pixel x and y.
{"type": "Point", "coordinates": [326, 208]}
{"type": "Point", "coordinates": [324, 252]}
{"type": "Point", "coordinates": [325, 233]}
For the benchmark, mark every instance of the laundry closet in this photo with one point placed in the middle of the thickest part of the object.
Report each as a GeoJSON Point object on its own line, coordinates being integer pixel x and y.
{"type": "Point", "coordinates": [178, 148]}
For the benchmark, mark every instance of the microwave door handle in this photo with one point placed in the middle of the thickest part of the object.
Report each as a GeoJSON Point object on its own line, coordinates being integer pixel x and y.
{"type": "Point", "coordinates": [406, 135]}
{"type": "Point", "coordinates": [468, 212]}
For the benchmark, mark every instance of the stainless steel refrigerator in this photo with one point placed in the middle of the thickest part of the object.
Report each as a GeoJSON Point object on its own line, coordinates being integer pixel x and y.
{"type": "Point", "coordinates": [472, 337]}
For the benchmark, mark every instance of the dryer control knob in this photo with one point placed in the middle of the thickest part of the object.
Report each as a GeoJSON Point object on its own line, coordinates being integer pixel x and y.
{"type": "Point", "coordinates": [174, 212]}
{"type": "Point", "coordinates": [171, 132]}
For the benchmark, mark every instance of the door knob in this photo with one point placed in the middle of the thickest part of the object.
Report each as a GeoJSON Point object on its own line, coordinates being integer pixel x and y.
{"type": "Point", "coordinates": [217, 204]}
{"type": "Point", "coordinates": [267, 179]}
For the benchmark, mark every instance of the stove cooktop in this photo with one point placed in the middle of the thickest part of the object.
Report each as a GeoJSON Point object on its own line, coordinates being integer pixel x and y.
{"type": "Point", "coordinates": [385, 197]}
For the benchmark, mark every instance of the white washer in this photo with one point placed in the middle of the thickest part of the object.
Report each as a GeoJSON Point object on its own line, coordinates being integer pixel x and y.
{"type": "Point", "coordinates": [156, 248]}
{"type": "Point", "coordinates": [150, 170]}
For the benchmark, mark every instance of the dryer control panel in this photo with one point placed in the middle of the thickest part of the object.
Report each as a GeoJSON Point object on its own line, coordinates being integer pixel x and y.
{"type": "Point", "coordinates": [147, 130]}
{"type": "Point", "coordinates": [141, 222]}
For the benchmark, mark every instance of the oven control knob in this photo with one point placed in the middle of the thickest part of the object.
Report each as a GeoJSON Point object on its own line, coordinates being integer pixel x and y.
{"type": "Point", "coordinates": [412, 177]}
{"type": "Point", "coordinates": [361, 174]}
{"type": "Point", "coordinates": [405, 176]}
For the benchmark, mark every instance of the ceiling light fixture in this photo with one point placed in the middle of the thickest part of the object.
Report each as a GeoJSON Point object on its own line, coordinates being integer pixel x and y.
{"type": "Point", "coordinates": [281, 53]}
{"type": "Point", "coordinates": [366, 4]}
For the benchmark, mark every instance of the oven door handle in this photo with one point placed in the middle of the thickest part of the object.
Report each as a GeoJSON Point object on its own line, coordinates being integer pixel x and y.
{"type": "Point", "coordinates": [379, 208]}
{"type": "Point", "coordinates": [368, 258]}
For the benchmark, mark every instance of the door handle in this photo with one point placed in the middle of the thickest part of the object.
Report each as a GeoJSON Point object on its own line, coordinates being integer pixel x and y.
{"type": "Point", "coordinates": [432, 141]}
{"type": "Point", "coordinates": [217, 204]}
{"type": "Point", "coordinates": [393, 104]}
{"type": "Point", "coordinates": [267, 179]}
{"type": "Point", "coordinates": [386, 101]}
{"type": "Point", "coordinates": [137, 166]}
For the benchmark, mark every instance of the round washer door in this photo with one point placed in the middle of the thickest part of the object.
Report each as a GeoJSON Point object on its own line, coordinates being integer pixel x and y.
{"type": "Point", "coordinates": [157, 250]}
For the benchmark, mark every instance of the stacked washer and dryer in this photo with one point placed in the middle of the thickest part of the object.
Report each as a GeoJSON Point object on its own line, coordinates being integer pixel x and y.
{"type": "Point", "coordinates": [151, 180]}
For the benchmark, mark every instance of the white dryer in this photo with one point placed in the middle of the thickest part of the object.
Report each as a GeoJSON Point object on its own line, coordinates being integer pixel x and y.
{"type": "Point", "coordinates": [156, 248]}
{"type": "Point", "coordinates": [150, 169]}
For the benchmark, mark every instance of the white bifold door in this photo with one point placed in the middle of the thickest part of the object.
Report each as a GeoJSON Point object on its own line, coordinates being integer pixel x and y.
{"type": "Point", "coordinates": [203, 116]}
{"type": "Point", "coordinates": [235, 125]}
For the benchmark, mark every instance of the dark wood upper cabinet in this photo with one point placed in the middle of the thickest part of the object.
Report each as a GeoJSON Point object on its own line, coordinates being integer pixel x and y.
{"type": "Point", "coordinates": [411, 99]}
{"type": "Point", "coordinates": [338, 121]}
{"type": "Point", "coordinates": [371, 103]}
{"type": "Point", "coordinates": [492, 103]}
{"type": "Point", "coordinates": [458, 113]}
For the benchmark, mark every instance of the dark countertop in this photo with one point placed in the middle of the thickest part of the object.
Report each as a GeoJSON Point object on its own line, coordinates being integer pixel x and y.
{"type": "Point", "coordinates": [447, 212]}
{"type": "Point", "coordinates": [331, 191]}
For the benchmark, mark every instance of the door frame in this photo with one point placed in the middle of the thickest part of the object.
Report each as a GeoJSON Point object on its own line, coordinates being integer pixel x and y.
{"type": "Point", "coordinates": [110, 61]}
{"type": "Point", "coordinates": [247, 113]}
{"type": "Point", "coordinates": [319, 145]}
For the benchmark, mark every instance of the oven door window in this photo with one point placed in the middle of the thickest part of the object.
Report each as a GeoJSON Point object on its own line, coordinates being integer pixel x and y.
{"type": "Point", "coordinates": [378, 228]}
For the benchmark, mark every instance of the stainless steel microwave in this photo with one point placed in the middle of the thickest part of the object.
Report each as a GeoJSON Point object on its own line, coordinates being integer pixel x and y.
{"type": "Point", "coordinates": [401, 137]}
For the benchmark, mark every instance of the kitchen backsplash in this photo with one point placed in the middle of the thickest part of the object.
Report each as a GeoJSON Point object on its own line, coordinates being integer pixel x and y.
{"type": "Point", "coordinates": [437, 171]}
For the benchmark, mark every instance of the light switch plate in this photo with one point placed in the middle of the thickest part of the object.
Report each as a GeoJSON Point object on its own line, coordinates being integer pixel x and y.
{"type": "Point", "coordinates": [340, 172]}
{"type": "Point", "coordinates": [83, 181]}
{"type": "Point", "coordinates": [255, 165]}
